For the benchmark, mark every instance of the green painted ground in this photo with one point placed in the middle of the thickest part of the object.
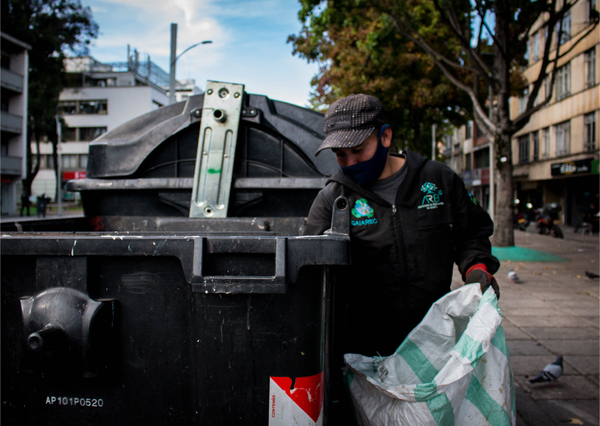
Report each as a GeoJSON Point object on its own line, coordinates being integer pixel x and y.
{"type": "Point", "coordinates": [521, 254]}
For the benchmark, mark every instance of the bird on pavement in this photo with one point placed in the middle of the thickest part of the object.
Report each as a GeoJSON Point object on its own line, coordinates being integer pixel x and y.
{"type": "Point", "coordinates": [512, 275]}
{"type": "Point", "coordinates": [550, 373]}
{"type": "Point", "coordinates": [591, 275]}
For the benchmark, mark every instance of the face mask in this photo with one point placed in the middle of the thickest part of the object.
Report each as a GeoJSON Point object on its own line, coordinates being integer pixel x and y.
{"type": "Point", "coordinates": [369, 171]}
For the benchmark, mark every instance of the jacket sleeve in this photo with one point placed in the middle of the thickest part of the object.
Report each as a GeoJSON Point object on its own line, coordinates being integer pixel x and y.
{"type": "Point", "coordinates": [319, 216]}
{"type": "Point", "coordinates": [474, 228]}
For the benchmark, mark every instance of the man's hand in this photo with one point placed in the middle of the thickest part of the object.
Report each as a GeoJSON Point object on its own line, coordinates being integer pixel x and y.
{"type": "Point", "coordinates": [479, 274]}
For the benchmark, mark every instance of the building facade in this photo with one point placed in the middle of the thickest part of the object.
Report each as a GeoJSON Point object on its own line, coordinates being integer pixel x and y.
{"type": "Point", "coordinates": [99, 98]}
{"type": "Point", "coordinates": [467, 152]}
{"type": "Point", "coordinates": [14, 82]}
{"type": "Point", "coordinates": [555, 156]}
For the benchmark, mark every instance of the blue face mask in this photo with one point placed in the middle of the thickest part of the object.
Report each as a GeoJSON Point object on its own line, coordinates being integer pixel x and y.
{"type": "Point", "coordinates": [369, 171]}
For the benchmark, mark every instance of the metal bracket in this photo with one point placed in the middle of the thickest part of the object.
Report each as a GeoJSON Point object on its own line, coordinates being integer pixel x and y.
{"type": "Point", "coordinates": [216, 149]}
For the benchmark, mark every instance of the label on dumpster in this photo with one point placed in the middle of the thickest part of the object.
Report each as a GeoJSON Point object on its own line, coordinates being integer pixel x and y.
{"type": "Point", "coordinates": [296, 402]}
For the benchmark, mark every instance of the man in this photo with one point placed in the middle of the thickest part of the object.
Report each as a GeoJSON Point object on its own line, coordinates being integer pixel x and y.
{"type": "Point", "coordinates": [411, 220]}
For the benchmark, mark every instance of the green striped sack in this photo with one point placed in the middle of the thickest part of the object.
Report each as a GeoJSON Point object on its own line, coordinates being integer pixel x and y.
{"type": "Point", "coordinates": [452, 369]}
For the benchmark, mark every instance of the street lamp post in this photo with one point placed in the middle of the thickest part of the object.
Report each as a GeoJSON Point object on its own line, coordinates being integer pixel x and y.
{"type": "Point", "coordinates": [175, 57]}
{"type": "Point", "coordinates": [59, 164]}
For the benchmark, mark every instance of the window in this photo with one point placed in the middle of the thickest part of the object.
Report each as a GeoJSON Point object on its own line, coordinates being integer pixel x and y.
{"type": "Point", "coordinates": [563, 138]}
{"type": "Point", "coordinates": [589, 122]}
{"type": "Point", "coordinates": [563, 81]}
{"type": "Point", "coordinates": [468, 162]}
{"type": "Point", "coordinates": [81, 134]}
{"type": "Point", "coordinates": [469, 131]}
{"type": "Point", "coordinates": [83, 159]}
{"type": "Point", "coordinates": [535, 137]}
{"type": "Point", "coordinates": [523, 100]}
{"type": "Point", "coordinates": [90, 133]}
{"type": "Point", "coordinates": [547, 85]}
{"type": "Point", "coordinates": [536, 46]}
{"type": "Point", "coordinates": [524, 149]}
{"type": "Point", "coordinates": [546, 143]}
{"type": "Point", "coordinates": [5, 62]}
{"type": "Point", "coordinates": [92, 106]}
{"type": "Point", "coordinates": [591, 10]}
{"type": "Point", "coordinates": [67, 107]}
{"type": "Point", "coordinates": [69, 161]}
{"type": "Point", "coordinates": [590, 67]}
{"type": "Point", "coordinates": [69, 134]}
{"type": "Point", "coordinates": [566, 28]}
{"type": "Point", "coordinates": [49, 161]}
{"type": "Point", "coordinates": [482, 158]}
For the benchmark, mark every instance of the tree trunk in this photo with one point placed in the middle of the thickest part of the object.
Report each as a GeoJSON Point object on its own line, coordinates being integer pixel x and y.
{"type": "Point", "coordinates": [32, 171]}
{"type": "Point", "coordinates": [56, 160]}
{"type": "Point", "coordinates": [503, 217]}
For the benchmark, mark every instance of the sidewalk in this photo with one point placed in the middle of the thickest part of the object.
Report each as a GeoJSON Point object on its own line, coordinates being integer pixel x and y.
{"type": "Point", "coordinates": [51, 213]}
{"type": "Point", "coordinates": [554, 310]}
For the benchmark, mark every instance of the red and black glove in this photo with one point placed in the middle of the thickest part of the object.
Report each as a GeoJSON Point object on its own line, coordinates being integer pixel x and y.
{"type": "Point", "coordinates": [479, 274]}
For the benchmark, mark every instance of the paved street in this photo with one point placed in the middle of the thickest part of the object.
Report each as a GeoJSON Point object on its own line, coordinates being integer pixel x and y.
{"type": "Point", "coordinates": [553, 311]}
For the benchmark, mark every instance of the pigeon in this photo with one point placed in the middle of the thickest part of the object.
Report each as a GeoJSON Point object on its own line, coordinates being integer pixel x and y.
{"type": "Point", "coordinates": [512, 275]}
{"type": "Point", "coordinates": [591, 275]}
{"type": "Point", "coordinates": [550, 373]}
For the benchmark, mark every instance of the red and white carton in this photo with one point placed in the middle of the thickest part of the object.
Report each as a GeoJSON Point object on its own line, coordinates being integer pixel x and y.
{"type": "Point", "coordinates": [296, 403]}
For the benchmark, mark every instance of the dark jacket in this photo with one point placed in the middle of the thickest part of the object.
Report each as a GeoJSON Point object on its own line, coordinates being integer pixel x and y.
{"type": "Point", "coordinates": [403, 255]}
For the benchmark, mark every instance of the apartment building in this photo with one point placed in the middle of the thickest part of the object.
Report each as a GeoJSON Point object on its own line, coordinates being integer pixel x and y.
{"type": "Point", "coordinates": [555, 155]}
{"type": "Point", "coordinates": [467, 152]}
{"type": "Point", "coordinates": [13, 121]}
{"type": "Point", "coordinates": [99, 98]}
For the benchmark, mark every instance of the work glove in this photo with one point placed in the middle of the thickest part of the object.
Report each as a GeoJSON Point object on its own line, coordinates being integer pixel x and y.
{"type": "Point", "coordinates": [478, 274]}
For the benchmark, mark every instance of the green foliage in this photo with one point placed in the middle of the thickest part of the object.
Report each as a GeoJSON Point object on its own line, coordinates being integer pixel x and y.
{"type": "Point", "coordinates": [52, 28]}
{"type": "Point", "coordinates": [360, 51]}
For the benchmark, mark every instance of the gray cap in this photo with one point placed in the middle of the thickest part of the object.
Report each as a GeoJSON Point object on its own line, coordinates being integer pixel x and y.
{"type": "Point", "coordinates": [349, 121]}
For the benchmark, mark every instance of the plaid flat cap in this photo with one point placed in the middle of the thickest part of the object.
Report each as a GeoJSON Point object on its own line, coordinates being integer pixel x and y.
{"type": "Point", "coordinates": [350, 120]}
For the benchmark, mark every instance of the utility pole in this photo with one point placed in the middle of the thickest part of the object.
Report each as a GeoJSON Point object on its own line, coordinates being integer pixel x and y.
{"type": "Point", "coordinates": [173, 61]}
{"type": "Point", "coordinates": [174, 58]}
{"type": "Point", "coordinates": [59, 164]}
{"type": "Point", "coordinates": [492, 200]}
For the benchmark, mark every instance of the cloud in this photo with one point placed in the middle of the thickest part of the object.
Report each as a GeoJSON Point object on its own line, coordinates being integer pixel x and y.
{"type": "Point", "coordinates": [249, 40]}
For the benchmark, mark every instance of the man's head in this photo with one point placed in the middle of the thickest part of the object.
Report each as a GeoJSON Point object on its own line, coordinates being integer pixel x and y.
{"type": "Point", "coordinates": [358, 136]}
{"type": "Point", "coordinates": [351, 120]}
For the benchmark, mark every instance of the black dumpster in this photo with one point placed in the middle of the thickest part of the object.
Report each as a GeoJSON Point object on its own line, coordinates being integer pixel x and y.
{"type": "Point", "coordinates": [138, 313]}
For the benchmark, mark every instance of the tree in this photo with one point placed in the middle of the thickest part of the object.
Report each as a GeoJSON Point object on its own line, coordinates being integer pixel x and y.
{"type": "Point", "coordinates": [492, 43]}
{"type": "Point", "coordinates": [52, 28]}
{"type": "Point", "coordinates": [361, 53]}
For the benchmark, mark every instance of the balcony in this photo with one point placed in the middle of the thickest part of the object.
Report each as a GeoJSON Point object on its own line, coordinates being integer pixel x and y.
{"type": "Point", "coordinates": [10, 165]}
{"type": "Point", "coordinates": [11, 123]}
{"type": "Point", "coordinates": [11, 80]}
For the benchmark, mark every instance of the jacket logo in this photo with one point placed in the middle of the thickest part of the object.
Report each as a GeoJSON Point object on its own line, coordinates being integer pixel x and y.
{"type": "Point", "coordinates": [432, 198]}
{"type": "Point", "coordinates": [361, 211]}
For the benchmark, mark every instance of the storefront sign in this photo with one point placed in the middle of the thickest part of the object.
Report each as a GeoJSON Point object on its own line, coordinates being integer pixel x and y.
{"type": "Point", "coordinates": [485, 176]}
{"type": "Point", "coordinates": [73, 175]}
{"type": "Point", "coordinates": [467, 178]}
{"type": "Point", "coordinates": [571, 167]}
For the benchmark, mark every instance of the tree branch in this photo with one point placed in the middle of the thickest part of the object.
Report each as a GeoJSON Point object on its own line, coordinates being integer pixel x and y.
{"type": "Point", "coordinates": [449, 16]}
{"type": "Point", "coordinates": [488, 124]}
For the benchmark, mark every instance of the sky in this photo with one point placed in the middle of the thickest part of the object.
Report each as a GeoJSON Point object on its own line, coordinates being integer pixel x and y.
{"type": "Point", "coordinates": [249, 41]}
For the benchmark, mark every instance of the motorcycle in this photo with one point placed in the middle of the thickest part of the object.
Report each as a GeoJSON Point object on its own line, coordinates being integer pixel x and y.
{"type": "Point", "coordinates": [547, 220]}
{"type": "Point", "coordinates": [521, 220]}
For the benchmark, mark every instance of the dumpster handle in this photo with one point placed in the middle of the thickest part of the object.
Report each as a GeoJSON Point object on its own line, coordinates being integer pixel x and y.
{"type": "Point", "coordinates": [239, 284]}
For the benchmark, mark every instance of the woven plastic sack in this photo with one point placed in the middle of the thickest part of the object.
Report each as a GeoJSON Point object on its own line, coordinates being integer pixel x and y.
{"type": "Point", "coordinates": [452, 369]}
